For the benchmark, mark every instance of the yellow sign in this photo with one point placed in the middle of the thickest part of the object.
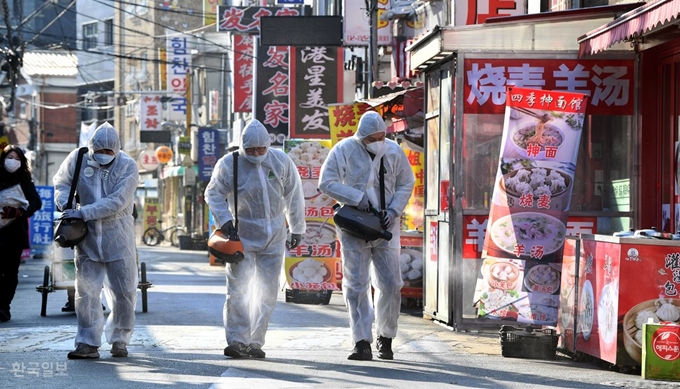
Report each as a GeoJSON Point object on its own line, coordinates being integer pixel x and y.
{"type": "Point", "coordinates": [413, 213]}
{"type": "Point", "coordinates": [152, 213]}
{"type": "Point", "coordinates": [164, 154]}
{"type": "Point", "coordinates": [210, 11]}
{"type": "Point", "coordinates": [344, 119]}
{"type": "Point", "coordinates": [4, 141]}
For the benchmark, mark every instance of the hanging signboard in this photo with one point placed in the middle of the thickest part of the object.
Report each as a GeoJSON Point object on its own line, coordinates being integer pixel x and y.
{"type": "Point", "coordinates": [357, 26]}
{"type": "Point", "coordinates": [243, 73]}
{"type": "Point", "coordinates": [178, 64]}
{"type": "Point", "coordinates": [150, 113]}
{"type": "Point", "coordinates": [42, 221]}
{"type": "Point", "coordinates": [316, 81]}
{"type": "Point", "coordinates": [519, 277]}
{"type": "Point", "coordinates": [208, 152]}
{"type": "Point", "coordinates": [246, 20]}
{"type": "Point", "coordinates": [478, 11]}
{"type": "Point", "coordinates": [344, 118]}
{"type": "Point", "coordinates": [272, 91]}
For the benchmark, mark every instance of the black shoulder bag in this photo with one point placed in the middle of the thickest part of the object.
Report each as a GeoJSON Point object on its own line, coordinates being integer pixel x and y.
{"type": "Point", "coordinates": [363, 225]}
{"type": "Point", "coordinates": [70, 232]}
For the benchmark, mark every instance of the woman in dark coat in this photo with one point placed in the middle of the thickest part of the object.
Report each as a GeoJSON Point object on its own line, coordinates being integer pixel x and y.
{"type": "Point", "coordinates": [14, 236]}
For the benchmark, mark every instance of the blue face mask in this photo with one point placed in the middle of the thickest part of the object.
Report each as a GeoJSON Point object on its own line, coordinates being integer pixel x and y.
{"type": "Point", "coordinates": [103, 159]}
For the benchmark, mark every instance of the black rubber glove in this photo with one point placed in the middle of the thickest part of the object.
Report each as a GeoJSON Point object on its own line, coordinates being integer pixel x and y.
{"type": "Point", "coordinates": [229, 230]}
{"type": "Point", "coordinates": [295, 240]}
{"type": "Point", "coordinates": [11, 212]}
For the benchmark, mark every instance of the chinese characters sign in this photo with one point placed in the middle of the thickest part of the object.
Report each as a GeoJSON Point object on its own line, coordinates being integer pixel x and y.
{"type": "Point", "coordinates": [247, 19]}
{"type": "Point", "coordinates": [478, 11]}
{"type": "Point", "coordinates": [357, 24]}
{"type": "Point", "coordinates": [344, 119]}
{"type": "Point", "coordinates": [315, 263]}
{"type": "Point", "coordinates": [272, 85]}
{"type": "Point", "coordinates": [527, 225]}
{"type": "Point", "coordinates": [151, 113]}
{"type": "Point", "coordinates": [178, 65]}
{"type": "Point", "coordinates": [42, 227]}
{"type": "Point", "coordinates": [208, 152]}
{"type": "Point", "coordinates": [316, 77]}
{"type": "Point", "coordinates": [609, 83]}
{"type": "Point", "coordinates": [413, 213]}
{"type": "Point", "coordinates": [243, 73]}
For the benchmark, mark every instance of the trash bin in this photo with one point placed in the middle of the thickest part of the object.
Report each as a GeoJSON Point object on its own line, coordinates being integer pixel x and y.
{"type": "Point", "coordinates": [185, 242]}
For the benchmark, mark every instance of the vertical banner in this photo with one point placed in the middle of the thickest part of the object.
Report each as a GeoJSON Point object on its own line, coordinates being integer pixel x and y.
{"type": "Point", "coordinates": [178, 64]}
{"type": "Point", "coordinates": [152, 213]}
{"type": "Point", "coordinates": [150, 114]}
{"type": "Point", "coordinates": [42, 221]}
{"type": "Point", "coordinates": [272, 89]}
{"type": "Point", "coordinates": [315, 263]}
{"type": "Point", "coordinates": [208, 152]}
{"type": "Point", "coordinates": [243, 73]}
{"type": "Point", "coordinates": [210, 11]}
{"type": "Point", "coordinates": [344, 119]}
{"type": "Point", "coordinates": [316, 81]}
{"type": "Point", "coordinates": [413, 213]}
{"type": "Point", "coordinates": [519, 278]}
{"type": "Point", "coordinates": [214, 106]}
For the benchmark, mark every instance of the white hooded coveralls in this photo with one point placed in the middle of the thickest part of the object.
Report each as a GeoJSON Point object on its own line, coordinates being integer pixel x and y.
{"type": "Point", "coordinates": [107, 255]}
{"type": "Point", "coordinates": [269, 194]}
{"type": "Point", "coordinates": [345, 177]}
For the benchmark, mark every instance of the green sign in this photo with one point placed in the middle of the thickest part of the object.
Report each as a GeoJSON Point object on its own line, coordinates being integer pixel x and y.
{"type": "Point", "coordinates": [184, 145]}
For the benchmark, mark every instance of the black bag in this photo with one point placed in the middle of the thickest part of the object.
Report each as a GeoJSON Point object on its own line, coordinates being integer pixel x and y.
{"type": "Point", "coordinates": [363, 225]}
{"type": "Point", "coordinates": [70, 232]}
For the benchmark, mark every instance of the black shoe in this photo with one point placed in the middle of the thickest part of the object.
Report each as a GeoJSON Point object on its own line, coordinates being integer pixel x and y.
{"type": "Point", "coordinates": [255, 351]}
{"type": "Point", "coordinates": [4, 315]}
{"type": "Point", "coordinates": [384, 346]}
{"type": "Point", "coordinates": [69, 307]}
{"type": "Point", "coordinates": [362, 351]}
{"type": "Point", "coordinates": [84, 351]}
{"type": "Point", "coordinates": [237, 350]}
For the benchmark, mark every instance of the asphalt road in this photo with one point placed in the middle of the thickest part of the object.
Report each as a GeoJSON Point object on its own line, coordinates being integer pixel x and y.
{"type": "Point", "coordinates": [179, 342]}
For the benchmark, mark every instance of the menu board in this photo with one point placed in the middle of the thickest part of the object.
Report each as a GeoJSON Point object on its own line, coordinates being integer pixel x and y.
{"type": "Point", "coordinates": [521, 265]}
{"type": "Point", "coordinates": [315, 264]}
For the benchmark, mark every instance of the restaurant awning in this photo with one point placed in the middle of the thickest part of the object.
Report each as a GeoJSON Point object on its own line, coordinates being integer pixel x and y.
{"type": "Point", "coordinates": [174, 171]}
{"type": "Point", "coordinates": [635, 23]}
{"type": "Point", "coordinates": [404, 108]}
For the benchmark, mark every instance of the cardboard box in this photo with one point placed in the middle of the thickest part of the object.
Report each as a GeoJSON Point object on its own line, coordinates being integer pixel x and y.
{"type": "Point", "coordinates": [661, 352]}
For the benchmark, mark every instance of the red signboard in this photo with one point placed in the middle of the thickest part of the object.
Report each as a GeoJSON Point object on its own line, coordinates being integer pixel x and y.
{"type": "Point", "coordinates": [243, 73]}
{"type": "Point", "coordinates": [609, 83]}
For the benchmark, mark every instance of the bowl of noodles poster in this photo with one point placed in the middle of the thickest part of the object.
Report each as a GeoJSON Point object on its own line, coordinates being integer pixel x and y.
{"type": "Point", "coordinates": [531, 137]}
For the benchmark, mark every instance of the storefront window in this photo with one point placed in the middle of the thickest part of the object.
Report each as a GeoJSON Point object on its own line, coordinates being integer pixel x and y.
{"type": "Point", "coordinates": [603, 171]}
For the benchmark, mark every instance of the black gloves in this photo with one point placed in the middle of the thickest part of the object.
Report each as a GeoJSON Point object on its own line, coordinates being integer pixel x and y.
{"type": "Point", "coordinates": [229, 230]}
{"type": "Point", "coordinates": [295, 240]}
{"type": "Point", "coordinates": [11, 212]}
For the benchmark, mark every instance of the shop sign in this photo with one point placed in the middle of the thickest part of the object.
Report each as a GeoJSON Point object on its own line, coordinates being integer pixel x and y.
{"type": "Point", "coordinates": [151, 113]}
{"type": "Point", "coordinates": [519, 276]}
{"type": "Point", "coordinates": [478, 11]}
{"type": "Point", "coordinates": [243, 73]}
{"type": "Point", "coordinates": [42, 221]}
{"type": "Point", "coordinates": [208, 152]}
{"type": "Point", "coordinates": [609, 83]}
{"type": "Point", "coordinates": [164, 154]}
{"type": "Point", "coordinates": [246, 20]}
{"type": "Point", "coordinates": [357, 30]}
{"type": "Point", "coordinates": [344, 118]}
{"type": "Point", "coordinates": [148, 160]}
{"type": "Point", "coordinates": [210, 11]}
{"type": "Point", "coordinates": [474, 231]}
{"type": "Point", "coordinates": [272, 91]}
{"type": "Point", "coordinates": [661, 352]}
{"type": "Point", "coordinates": [316, 81]}
{"type": "Point", "coordinates": [152, 212]}
{"type": "Point", "coordinates": [315, 264]}
{"type": "Point", "coordinates": [178, 65]}
{"type": "Point", "coordinates": [184, 145]}
{"type": "Point", "coordinates": [413, 213]}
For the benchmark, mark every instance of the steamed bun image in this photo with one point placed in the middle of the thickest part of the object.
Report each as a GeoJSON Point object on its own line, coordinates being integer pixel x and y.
{"type": "Point", "coordinates": [411, 265]}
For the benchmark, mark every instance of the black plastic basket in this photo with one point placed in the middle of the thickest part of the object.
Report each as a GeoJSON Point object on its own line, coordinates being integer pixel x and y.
{"type": "Point", "coordinates": [297, 296]}
{"type": "Point", "coordinates": [528, 343]}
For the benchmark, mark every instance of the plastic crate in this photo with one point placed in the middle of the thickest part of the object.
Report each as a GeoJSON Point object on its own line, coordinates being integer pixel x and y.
{"type": "Point", "coordinates": [528, 343]}
{"type": "Point", "coordinates": [308, 297]}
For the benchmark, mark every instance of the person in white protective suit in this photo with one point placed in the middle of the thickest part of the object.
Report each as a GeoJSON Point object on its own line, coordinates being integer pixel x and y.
{"type": "Point", "coordinates": [350, 175]}
{"type": "Point", "coordinates": [107, 256]}
{"type": "Point", "coordinates": [269, 194]}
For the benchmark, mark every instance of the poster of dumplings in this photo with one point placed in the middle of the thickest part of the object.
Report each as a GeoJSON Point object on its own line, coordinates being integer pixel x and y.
{"type": "Point", "coordinates": [520, 271]}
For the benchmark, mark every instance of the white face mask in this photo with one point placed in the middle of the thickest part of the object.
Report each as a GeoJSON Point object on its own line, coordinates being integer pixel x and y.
{"type": "Point", "coordinates": [103, 159]}
{"type": "Point", "coordinates": [375, 147]}
{"type": "Point", "coordinates": [12, 165]}
{"type": "Point", "coordinates": [256, 159]}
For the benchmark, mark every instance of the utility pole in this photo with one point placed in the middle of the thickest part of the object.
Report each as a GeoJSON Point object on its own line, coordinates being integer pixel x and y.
{"type": "Point", "coordinates": [373, 47]}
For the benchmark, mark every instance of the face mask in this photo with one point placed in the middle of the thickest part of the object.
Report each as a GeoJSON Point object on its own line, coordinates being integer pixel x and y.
{"type": "Point", "coordinates": [103, 159]}
{"type": "Point", "coordinates": [375, 147]}
{"type": "Point", "coordinates": [12, 165]}
{"type": "Point", "coordinates": [256, 159]}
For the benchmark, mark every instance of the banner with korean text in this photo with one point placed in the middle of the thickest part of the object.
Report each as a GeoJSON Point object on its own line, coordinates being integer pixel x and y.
{"type": "Point", "coordinates": [316, 80]}
{"type": "Point", "coordinates": [315, 264]}
{"type": "Point", "coordinates": [521, 264]}
{"type": "Point", "coordinates": [208, 152]}
{"type": "Point", "coordinates": [272, 90]}
{"type": "Point", "coordinates": [178, 64]}
{"type": "Point", "coordinates": [151, 110]}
